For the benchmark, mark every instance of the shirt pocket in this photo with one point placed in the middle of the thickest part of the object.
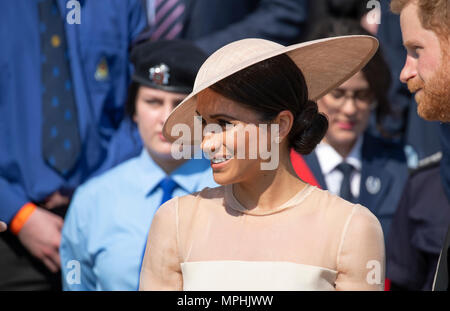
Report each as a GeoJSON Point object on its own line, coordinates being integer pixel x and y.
{"type": "Point", "coordinates": [104, 62]}
{"type": "Point", "coordinates": [106, 70]}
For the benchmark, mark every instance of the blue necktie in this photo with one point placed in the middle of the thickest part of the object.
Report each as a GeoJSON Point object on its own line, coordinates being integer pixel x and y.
{"type": "Point", "coordinates": [167, 185]}
{"type": "Point", "coordinates": [345, 191]}
{"type": "Point", "coordinates": [61, 142]}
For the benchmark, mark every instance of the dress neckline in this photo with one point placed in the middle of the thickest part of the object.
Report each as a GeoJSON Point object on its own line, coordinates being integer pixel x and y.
{"type": "Point", "coordinates": [234, 204]}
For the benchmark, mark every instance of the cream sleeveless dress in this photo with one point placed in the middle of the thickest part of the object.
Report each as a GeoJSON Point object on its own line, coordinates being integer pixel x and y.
{"type": "Point", "coordinates": [314, 241]}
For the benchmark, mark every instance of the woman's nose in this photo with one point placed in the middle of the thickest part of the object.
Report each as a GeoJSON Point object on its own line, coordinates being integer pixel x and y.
{"type": "Point", "coordinates": [349, 106]}
{"type": "Point", "coordinates": [211, 143]}
{"type": "Point", "coordinates": [166, 110]}
{"type": "Point", "coordinates": [409, 70]}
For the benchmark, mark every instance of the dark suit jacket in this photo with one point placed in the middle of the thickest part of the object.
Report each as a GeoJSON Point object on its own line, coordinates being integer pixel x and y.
{"type": "Point", "coordinates": [443, 268]}
{"type": "Point", "coordinates": [418, 230]}
{"type": "Point", "coordinates": [383, 175]}
{"type": "Point", "coordinates": [215, 23]}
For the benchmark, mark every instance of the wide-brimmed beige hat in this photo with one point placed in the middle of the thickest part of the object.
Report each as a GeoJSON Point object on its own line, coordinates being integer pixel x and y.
{"type": "Point", "coordinates": [325, 64]}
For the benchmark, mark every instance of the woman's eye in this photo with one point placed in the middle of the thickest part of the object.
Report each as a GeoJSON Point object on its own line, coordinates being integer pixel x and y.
{"type": "Point", "coordinates": [363, 95]}
{"type": "Point", "coordinates": [152, 101]}
{"type": "Point", "coordinates": [223, 123]}
{"type": "Point", "coordinates": [337, 93]}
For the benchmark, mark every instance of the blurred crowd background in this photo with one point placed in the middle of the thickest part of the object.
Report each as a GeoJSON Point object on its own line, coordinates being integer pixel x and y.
{"type": "Point", "coordinates": [85, 70]}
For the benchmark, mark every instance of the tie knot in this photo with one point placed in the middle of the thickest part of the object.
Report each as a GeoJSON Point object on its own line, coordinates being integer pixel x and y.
{"type": "Point", "coordinates": [168, 184]}
{"type": "Point", "coordinates": [345, 168]}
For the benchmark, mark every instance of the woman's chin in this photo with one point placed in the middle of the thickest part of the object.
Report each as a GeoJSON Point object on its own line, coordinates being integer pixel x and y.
{"type": "Point", "coordinates": [163, 152]}
{"type": "Point", "coordinates": [223, 178]}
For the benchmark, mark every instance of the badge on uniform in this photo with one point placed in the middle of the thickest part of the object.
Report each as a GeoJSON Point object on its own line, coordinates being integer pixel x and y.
{"type": "Point", "coordinates": [159, 74]}
{"type": "Point", "coordinates": [373, 184]}
{"type": "Point", "coordinates": [102, 72]}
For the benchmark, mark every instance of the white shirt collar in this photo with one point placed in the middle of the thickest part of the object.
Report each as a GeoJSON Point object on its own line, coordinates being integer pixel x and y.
{"type": "Point", "coordinates": [329, 158]}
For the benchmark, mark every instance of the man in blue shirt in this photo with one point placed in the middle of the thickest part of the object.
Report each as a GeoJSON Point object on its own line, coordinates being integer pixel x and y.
{"type": "Point", "coordinates": [62, 89]}
{"type": "Point", "coordinates": [106, 228]}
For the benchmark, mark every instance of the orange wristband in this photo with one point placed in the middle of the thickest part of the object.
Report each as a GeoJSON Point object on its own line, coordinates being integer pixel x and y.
{"type": "Point", "coordinates": [21, 218]}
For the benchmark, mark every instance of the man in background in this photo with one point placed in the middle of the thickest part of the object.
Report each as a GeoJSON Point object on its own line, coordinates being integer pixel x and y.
{"type": "Point", "coordinates": [212, 24]}
{"type": "Point", "coordinates": [62, 93]}
{"type": "Point", "coordinates": [423, 217]}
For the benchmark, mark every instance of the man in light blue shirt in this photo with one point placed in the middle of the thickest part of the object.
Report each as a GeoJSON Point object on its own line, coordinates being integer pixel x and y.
{"type": "Point", "coordinates": [106, 228]}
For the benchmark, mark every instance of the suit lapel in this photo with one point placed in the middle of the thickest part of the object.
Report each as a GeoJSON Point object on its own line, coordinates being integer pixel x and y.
{"type": "Point", "coordinates": [314, 166]}
{"type": "Point", "coordinates": [375, 180]}
{"type": "Point", "coordinates": [189, 6]}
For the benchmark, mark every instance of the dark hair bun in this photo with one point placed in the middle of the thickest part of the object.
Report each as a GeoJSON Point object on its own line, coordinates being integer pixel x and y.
{"type": "Point", "coordinates": [308, 129]}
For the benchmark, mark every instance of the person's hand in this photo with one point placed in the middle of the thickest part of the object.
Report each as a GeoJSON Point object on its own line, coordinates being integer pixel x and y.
{"type": "Point", "coordinates": [3, 226]}
{"type": "Point", "coordinates": [55, 200]}
{"type": "Point", "coordinates": [41, 236]}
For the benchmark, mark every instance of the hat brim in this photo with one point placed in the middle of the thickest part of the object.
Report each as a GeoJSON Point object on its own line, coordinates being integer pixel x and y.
{"type": "Point", "coordinates": [325, 64]}
{"type": "Point", "coordinates": [162, 87]}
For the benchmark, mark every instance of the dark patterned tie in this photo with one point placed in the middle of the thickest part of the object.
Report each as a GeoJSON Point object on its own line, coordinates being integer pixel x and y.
{"type": "Point", "coordinates": [60, 133]}
{"type": "Point", "coordinates": [345, 191]}
{"type": "Point", "coordinates": [168, 21]}
{"type": "Point", "coordinates": [168, 185]}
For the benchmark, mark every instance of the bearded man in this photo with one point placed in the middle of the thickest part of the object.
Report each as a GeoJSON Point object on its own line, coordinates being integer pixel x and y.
{"type": "Point", "coordinates": [423, 216]}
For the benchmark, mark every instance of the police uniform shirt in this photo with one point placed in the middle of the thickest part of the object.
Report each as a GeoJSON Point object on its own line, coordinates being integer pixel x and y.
{"type": "Point", "coordinates": [329, 159]}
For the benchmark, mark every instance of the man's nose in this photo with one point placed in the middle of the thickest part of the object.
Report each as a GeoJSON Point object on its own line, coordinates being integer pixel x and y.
{"type": "Point", "coordinates": [409, 70]}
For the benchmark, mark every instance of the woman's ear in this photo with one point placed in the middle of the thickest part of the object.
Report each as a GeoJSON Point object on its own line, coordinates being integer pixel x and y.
{"type": "Point", "coordinates": [285, 121]}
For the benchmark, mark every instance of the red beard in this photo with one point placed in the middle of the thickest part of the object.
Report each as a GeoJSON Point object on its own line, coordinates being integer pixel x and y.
{"type": "Point", "coordinates": [433, 102]}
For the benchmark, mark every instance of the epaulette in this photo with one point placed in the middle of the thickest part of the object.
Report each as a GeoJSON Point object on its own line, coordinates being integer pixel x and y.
{"type": "Point", "coordinates": [428, 162]}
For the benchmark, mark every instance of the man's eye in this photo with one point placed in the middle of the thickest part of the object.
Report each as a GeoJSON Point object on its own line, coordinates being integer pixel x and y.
{"type": "Point", "coordinates": [414, 51]}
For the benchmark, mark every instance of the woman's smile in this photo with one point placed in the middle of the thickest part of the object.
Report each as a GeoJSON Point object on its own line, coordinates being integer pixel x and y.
{"type": "Point", "coordinates": [217, 164]}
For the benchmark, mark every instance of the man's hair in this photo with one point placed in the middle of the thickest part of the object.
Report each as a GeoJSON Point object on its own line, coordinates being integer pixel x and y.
{"type": "Point", "coordinates": [434, 15]}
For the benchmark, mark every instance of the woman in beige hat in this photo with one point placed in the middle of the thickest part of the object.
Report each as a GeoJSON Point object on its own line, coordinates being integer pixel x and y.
{"type": "Point", "coordinates": [264, 228]}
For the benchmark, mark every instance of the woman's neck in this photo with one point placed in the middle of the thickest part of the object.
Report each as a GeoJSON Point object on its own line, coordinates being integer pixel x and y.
{"type": "Point", "coordinates": [269, 189]}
